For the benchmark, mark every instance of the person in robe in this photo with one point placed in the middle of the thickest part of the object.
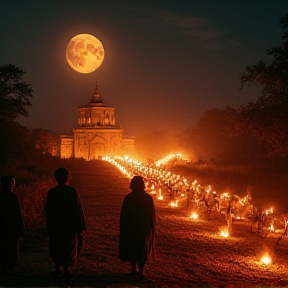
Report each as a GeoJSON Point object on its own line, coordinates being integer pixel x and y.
{"type": "Point", "coordinates": [11, 226]}
{"type": "Point", "coordinates": [137, 228]}
{"type": "Point", "coordinates": [65, 222]}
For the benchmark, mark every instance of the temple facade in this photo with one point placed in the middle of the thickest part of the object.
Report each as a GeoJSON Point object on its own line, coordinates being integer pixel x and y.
{"type": "Point", "coordinates": [96, 134]}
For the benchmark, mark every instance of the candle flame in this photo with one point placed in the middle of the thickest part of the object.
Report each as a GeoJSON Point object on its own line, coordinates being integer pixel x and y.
{"type": "Point", "coordinates": [224, 233]}
{"type": "Point", "coordinates": [174, 204]}
{"type": "Point", "coordinates": [157, 177]}
{"type": "Point", "coordinates": [269, 211]}
{"type": "Point", "coordinates": [266, 259]}
{"type": "Point", "coordinates": [194, 215]}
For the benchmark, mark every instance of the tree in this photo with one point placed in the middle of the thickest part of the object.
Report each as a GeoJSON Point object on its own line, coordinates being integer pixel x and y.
{"type": "Point", "coordinates": [266, 119]}
{"type": "Point", "coordinates": [14, 142]}
{"type": "Point", "coordinates": [14, 93]}
{"type": "Point", "coordinates": [46, 141]}
{"type": "Point", "coordinates": [14, 98]}
{"type": "Point", "coordinates": [208, 139]}
{"type": "Point", "coordinates": [212, 138]}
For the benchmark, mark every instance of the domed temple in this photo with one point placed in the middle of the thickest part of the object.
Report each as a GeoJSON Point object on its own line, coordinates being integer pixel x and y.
{"type": "Point", "coordinates": [96, 133]}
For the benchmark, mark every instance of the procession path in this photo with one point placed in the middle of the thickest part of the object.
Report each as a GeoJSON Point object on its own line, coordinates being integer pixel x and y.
{"type": "Point", "coordinates": [190, 253]}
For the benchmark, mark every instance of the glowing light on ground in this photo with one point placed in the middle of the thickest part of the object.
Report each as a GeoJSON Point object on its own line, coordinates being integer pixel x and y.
{"type": "Point", "coordinates": [173, 203]}
{"type": "Point", "coordinates": [224, 233]}
{"type": "Point", "coordinates": [194, 215]}
{"type": "Point", "coordinates": [168, 158]}
{"type": "Point", "coordinates": [160, 197]}
{"type": "Point", "coordinates": [269, 211]}
{"type": "Point", "coordinates": [163, 183]}
{"type": "Point", "coordinates": [266, 259]}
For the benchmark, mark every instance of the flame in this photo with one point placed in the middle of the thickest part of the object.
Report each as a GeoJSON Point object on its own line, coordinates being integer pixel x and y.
{"type": "Point", "coordinates": [269, 211]}
{"type": "Point", "coordinates": [155, 177]}
{"type": "Point", "coordinates": [266, 259]}
{"type": "Point", "coordinates": [224, 195]}
{"type": "Point", "coordinates": [174, 203]}
{"type": "Point", "coordinates": [224, 233]}
{"type": "Point", "coordinates": [160, 197]}
{"type": "Point", "coordinates": [194, 215]}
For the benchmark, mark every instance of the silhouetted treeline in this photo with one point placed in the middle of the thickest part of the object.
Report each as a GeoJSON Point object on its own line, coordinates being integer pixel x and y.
{"type": "Point", "coordinates": [256, 130]}
{"type": "Point", "coordinates": [213, 138]}
{"type": "Point", "coordinates": [18, 141]}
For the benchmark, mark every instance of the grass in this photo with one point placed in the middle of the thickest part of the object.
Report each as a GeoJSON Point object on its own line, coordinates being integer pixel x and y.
{"type": "Point", "coordinates": [34, 177]}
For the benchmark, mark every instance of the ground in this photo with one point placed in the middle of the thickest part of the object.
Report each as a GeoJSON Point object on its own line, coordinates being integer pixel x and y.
{"type": "Point", "coordinates": [190, 253]}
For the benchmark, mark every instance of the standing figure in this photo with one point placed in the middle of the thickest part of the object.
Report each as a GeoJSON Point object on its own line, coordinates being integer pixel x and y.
{"type": "Point", "coordinates": [65, 222]}
{"type": "Point", "coordinates": [11, 226]}
{"type": "Point", "coordinates": [137, 227]}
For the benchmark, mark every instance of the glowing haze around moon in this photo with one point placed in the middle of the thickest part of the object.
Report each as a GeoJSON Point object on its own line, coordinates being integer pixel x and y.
{"type": "Point", "coordinates": [84, 53]}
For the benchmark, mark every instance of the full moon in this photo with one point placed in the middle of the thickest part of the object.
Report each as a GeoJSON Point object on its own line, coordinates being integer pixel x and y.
{"type": "Point", "coordinates": [84, 53]}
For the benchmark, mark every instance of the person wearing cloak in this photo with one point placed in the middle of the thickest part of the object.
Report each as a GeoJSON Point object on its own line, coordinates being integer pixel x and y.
{"type": "Point", "coordinates": [11, 226]}
{"type": "Point", "coordinates": [137, 227]}
{"type": "Point", "coordinates": [65, 222]}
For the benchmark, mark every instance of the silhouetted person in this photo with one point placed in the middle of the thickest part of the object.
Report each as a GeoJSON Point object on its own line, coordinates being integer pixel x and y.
{"type": "Point", "coordinates": [65, 222]}
{"type": "Point", "coordinates": [137, 227]}
{"type": "Point", "coordinates": [11, 226]}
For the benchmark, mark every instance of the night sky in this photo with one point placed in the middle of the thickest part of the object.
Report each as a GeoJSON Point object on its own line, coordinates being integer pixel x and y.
{"type": "Point", "coordinates": [166, 62]}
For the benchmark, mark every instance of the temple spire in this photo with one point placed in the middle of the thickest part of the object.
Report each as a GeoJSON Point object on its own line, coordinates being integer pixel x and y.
{"type": "Point", "coordinates": [96, 97]}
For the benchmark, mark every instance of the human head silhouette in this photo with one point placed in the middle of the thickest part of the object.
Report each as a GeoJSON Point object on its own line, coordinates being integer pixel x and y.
{"type": "Point", "coordinates": [137, 183]}
{"type": "Point", "coordinates": [61, 175]}
{"type": "Point", "coordinates": [7, 182]}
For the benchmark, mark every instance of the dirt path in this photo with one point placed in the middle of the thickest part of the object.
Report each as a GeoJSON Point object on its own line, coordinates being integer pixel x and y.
{"type": "Point", "coordinates": [189, 253]}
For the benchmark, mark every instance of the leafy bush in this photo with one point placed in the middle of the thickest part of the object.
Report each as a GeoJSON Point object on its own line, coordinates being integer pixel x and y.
{"type": "Point", "coordinates": [34, 177]}
{"type": "Point", "coordinates": [32, 199]}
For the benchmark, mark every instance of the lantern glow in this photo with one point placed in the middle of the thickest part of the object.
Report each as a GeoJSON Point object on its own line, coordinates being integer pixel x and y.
{"type": "Point", "coordinates": [266, 259]}
{"type": "Point", "coordinates": [224, 233]}
{"type": "Point", "coordinates": [174, 203]}
{"type": "Point", "coordinates": [194, 215]}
